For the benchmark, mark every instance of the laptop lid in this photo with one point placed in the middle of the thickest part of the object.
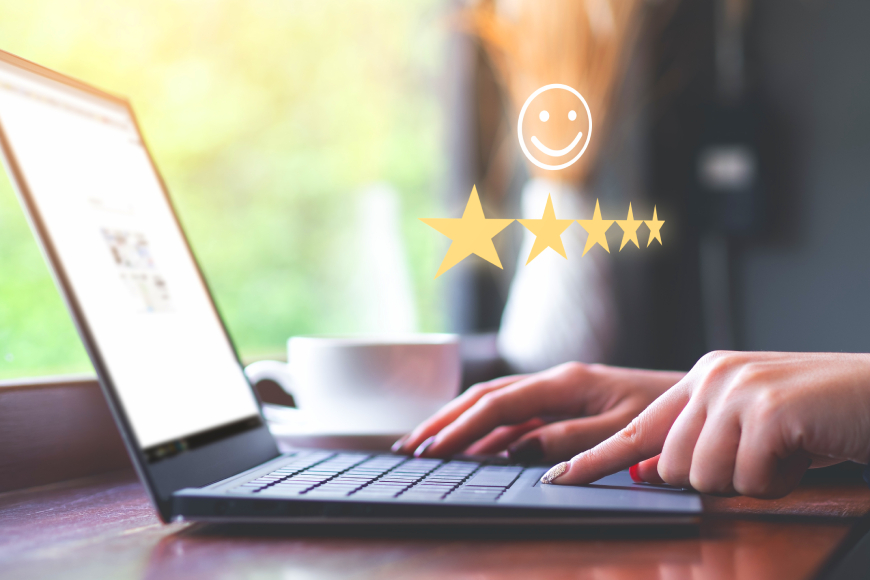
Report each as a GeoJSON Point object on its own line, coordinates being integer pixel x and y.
{"type": "Point", "coordinates": [107, 228]}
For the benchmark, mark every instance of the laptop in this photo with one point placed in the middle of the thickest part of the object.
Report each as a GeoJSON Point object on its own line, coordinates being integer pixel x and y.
{"type": "Point", "coordinates": [165, 362]}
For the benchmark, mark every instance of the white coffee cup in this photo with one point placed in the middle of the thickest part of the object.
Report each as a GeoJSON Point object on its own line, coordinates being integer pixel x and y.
{"type": "Point", "coordinates": [366, 384]}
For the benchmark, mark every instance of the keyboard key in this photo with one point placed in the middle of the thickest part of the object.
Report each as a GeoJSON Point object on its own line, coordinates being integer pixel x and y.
{"type": "Point", "coordinates": [278, 491]}
{"type": "Point", "coordinates": [296, 486]}
{"type": "Point", "coordinates": [336, 485]}
{"type": "Point", "coordinates": [385, 488]}
{"type": "Point", "coordinates": [469, 498]}
{"type": "Point", "coordinates": [480, 490]}
{"type": "Point", "coordinates": [333, 492]}
{"type": "Point", "coordinates": [365, 493]}
{"type": "Point", "coordinates": [463, 494]}
{"type": "Point", "coordinates": [495, 476]}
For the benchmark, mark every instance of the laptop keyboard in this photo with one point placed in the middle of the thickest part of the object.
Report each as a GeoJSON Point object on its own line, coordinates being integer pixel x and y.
{"type": "Point", "coordinates": [360, 475]}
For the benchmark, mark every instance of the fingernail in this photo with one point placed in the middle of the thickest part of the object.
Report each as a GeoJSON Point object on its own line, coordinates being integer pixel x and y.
{"type": "Point", "coordinates": [634, 472]}
{"type": "Point", "coordinates": [526, 451]}
{"type": "Point", "coordinates": [555, 472]}
{"type": "Point", "coordinates": [397, 446]}
{"type": "Point", "coordinates": [423, 447]}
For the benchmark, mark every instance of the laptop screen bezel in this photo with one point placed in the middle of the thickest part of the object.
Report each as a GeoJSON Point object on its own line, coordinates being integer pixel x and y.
{"type": "Point", "coordinates": [213, 461]}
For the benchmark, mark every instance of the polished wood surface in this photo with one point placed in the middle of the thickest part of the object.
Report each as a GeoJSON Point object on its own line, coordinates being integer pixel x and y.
{"type": "Point", "coordinates": [104, 527]}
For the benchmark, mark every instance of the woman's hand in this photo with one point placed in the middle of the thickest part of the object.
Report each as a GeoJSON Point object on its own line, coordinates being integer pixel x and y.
{"type": "Point", "coordinates": [590, 403]}
{"type": "Point", "coordinates": [750, 423]}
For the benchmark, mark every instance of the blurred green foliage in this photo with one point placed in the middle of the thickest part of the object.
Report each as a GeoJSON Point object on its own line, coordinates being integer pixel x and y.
{"type": "Point", "coordinates": [265, 116]}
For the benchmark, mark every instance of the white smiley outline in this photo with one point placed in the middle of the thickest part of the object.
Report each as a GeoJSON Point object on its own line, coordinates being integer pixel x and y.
{"type": "Point", "coordinates": [536, 141]}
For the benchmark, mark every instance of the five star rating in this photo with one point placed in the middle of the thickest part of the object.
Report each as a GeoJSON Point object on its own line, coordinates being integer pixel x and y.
{"type": "Point", "coordinates": [473, 233]}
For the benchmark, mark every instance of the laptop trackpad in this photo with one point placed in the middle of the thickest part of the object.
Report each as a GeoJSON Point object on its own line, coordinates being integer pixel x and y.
{"type": "Point", "coordinates": [615, 492]}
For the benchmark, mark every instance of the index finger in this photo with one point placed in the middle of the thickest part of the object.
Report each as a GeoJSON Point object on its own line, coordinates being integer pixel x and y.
{"type": "Point", "coordinates": [643, 438]}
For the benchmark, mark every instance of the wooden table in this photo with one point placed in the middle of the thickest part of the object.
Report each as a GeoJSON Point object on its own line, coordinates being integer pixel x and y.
{"type": "Point", "coordinates": [104, 527]}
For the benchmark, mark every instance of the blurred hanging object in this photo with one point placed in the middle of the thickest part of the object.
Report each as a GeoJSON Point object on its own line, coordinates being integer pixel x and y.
{"type": "Point", "coordinates": [559, 311]}
{"type": "Point", "coordinates": [728, 172]}
{"type": "Point", "coordinates": [382, 282]}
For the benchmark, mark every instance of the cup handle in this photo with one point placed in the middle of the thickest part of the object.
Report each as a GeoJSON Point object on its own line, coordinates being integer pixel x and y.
{"type": "Point", "coordinates": [271, 370]}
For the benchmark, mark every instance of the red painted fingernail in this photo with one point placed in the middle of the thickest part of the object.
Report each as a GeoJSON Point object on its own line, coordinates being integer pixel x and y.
{"type": "Point", "coordinates": [633, 472]}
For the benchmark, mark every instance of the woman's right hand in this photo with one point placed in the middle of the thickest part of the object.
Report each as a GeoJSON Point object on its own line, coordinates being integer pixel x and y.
{"type": "Point", "coordinates": [516, 414]}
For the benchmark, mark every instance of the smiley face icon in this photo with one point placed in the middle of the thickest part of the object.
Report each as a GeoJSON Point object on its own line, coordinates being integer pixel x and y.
{"type": "Point", "coordinates": [556, 119]}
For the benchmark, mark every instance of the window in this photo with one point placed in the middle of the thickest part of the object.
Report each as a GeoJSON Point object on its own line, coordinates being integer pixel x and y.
{"type": "Point", "coordinates": [300, 141]}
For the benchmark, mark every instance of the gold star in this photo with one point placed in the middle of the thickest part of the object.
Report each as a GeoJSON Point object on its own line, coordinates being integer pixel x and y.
{"type": "Point", "coordinates": [471, 234]}
{"type": "Point", "coordinates": [596, 228]}
{"type": "Point", "coordinates": [655, 228]}
{"type": "Point", "coordinates": [548, 232]}
{"type": "Point", "coordinates": [629, 229]}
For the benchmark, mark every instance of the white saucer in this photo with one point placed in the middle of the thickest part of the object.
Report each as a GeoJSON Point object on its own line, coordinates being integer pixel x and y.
{"type": "Point", "coordinates": [287, 421]}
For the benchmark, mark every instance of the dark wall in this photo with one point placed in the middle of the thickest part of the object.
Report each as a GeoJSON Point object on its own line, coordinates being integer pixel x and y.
{"type": "Point", "coordinates": [806, 286]}
{"type": "Point", "coordinates": [802, 281]}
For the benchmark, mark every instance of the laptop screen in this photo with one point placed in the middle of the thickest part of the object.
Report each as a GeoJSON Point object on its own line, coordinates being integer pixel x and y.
{"type": "Point", "coordinates": [126, 262]}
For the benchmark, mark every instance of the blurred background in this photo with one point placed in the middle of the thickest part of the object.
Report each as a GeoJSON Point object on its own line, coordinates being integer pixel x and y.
{"type": "Point", "coordinates": [301, 140]}
{"type": "Point", "coordinates": [297, 139]}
